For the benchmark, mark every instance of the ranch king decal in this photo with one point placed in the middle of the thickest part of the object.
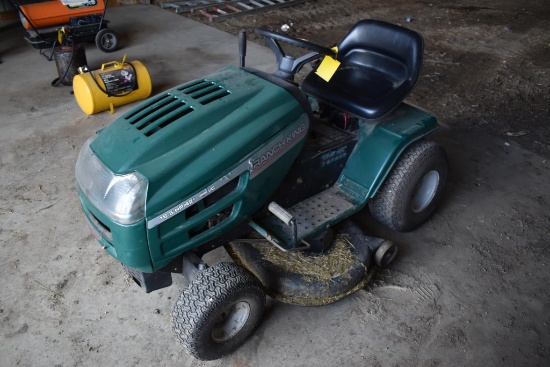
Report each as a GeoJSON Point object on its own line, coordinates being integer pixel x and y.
{"type": "Point", "coordinates": [258, 162]}
{"type": "Point", "coordinates": [265, 158]}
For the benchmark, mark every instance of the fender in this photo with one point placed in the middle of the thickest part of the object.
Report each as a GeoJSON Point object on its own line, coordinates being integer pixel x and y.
{"type": "Point", "coordinates": [371, 161]}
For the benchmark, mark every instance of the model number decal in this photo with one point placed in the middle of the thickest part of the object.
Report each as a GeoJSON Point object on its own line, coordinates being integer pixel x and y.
{"type": "Point", "coordinates": [333, 156]}
{"type": "Point", "coordinates": [258, 162]}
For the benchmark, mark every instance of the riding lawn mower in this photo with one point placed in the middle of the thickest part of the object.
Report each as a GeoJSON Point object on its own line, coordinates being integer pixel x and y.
{"type": "Point", "coordinates": [272, 170]}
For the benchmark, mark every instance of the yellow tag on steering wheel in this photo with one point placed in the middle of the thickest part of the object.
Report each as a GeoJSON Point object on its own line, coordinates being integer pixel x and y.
{"type": "Point", "coordinates": [328, 66]}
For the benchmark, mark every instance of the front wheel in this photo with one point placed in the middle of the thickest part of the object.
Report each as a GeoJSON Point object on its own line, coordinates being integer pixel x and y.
{"type": "Point", "coordinates": [414, 187]}
{"type": "Point", "coordinates": [218, 311]}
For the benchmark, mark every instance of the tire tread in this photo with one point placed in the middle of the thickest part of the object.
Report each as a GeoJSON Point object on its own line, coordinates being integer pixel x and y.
{"type": "Point", "coordinates": [385, 206]}
{"type": "Point", "coordinates": [196, 304]}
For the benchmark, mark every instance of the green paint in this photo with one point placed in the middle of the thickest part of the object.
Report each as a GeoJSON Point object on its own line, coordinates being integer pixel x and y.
{"type": "Point", "coordinates": [190, 137]}
{"type": "Point", "coordinates": [379, 147]}
{"type": "Point", "coordinates": [191, 152]}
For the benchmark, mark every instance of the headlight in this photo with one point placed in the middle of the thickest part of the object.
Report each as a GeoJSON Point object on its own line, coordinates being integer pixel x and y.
{"type": "Point", "coordinates": [120, 197]}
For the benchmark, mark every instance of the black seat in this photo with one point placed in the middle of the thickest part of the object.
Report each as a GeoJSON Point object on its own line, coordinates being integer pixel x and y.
{"type": "Point", "coordinates": [380, 66]}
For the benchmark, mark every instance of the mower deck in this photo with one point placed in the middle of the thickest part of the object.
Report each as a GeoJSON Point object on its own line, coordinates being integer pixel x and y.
{"type": "Point", "coordinates": [306, 279]}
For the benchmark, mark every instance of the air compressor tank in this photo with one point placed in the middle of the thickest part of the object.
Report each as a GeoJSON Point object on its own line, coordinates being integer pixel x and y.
{"type": "Point", "coordinates": [115, 84]}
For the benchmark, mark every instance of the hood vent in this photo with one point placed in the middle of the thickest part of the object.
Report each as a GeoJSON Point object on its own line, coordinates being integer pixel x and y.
{"type": "Point", "coordinates": [162, 110]}
{"type": "Point", "coordinates": [204, 91]}
{"type": "Point", "coordinates": [158, 113]}
{"type": "Point", "coordinates": [176, 116]}
{"type": "Point", "coordinates": [151, 106]}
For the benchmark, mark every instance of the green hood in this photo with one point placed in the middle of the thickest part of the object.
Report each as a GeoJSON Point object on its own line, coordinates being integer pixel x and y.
{"type": "Point", "coordinates": [190, 135]}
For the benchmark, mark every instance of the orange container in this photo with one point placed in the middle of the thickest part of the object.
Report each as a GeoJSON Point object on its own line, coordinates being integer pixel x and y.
{"type": "Point", "coordinates": [54, 13]}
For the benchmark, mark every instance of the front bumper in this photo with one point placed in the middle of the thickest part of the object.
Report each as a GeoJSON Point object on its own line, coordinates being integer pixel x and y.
{"type": "Point", "coordinates": [149, 282]}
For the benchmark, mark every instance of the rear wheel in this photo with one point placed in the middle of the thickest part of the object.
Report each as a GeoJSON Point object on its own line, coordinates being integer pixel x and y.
{"type": "Point", "coordinates": [414, 187]}
{"type": "Point", "coordinates": [106, 40]}
{"type": "Point", "coordinates": [218, 311]}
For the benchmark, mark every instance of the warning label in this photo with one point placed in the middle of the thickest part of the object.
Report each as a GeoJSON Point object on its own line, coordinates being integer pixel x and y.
{"type": "Point", "coordinates": [119, 81]}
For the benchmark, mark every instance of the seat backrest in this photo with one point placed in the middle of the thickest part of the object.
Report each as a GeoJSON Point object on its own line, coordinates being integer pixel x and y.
{"type": "Point", "coordinates": [389, 49]}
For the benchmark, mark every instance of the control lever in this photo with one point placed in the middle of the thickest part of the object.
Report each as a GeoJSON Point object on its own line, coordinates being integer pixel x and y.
{"type": "Point", "coordinates": [242, 47]}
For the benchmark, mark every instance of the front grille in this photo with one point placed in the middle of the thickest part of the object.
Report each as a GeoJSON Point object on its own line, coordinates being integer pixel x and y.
{"type": "Point", "coordinates": [194, 220]}
{"type": "Point", "coordinates": [102, 229]}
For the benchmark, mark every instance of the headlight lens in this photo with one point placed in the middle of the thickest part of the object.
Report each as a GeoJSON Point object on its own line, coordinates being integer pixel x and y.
{"type": "Point", "coordinates": [120, 197]}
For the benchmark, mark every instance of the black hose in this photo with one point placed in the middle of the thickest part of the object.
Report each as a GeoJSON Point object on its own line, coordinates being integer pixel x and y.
{"type": "Point", "coordinates": [49, 58]}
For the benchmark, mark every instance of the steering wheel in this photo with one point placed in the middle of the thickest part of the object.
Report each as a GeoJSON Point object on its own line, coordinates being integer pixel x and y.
{"type": "Point", "coordinates": [288, 66]}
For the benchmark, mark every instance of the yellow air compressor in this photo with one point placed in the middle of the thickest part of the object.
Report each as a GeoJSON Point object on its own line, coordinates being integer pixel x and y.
{"type": "Point", "coordinates": [115, 84]}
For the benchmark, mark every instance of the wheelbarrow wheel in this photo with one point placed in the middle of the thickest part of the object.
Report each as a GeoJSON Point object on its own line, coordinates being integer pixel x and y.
{"type": "Point", "coordinates": [218, 311]}
{"type": "Point", "coordinates": [106, 40]}
{"type": "Point", "coordinates": [414, 187]}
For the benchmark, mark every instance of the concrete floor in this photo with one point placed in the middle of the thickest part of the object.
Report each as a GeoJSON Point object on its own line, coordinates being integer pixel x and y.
{"type": "Point", "coordinates": [470, 287]}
